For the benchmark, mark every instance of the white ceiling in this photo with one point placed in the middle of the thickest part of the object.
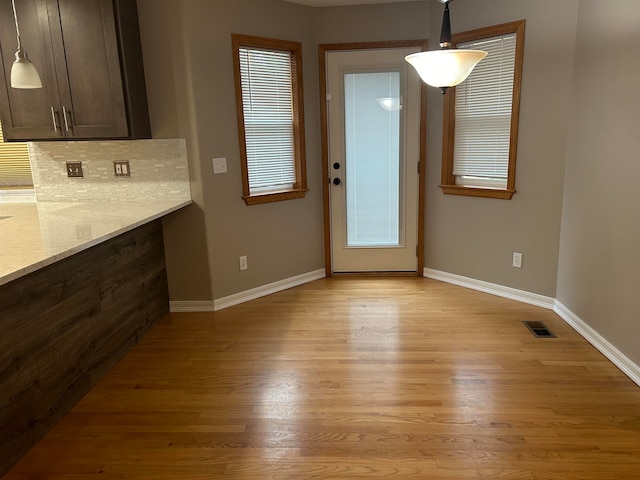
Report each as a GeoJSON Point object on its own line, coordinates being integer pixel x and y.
{"type": "Point", "coordinates": [333, 3]}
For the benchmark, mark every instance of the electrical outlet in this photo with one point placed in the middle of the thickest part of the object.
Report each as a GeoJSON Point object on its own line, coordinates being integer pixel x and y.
{"type": "Point", "coordinates": [74, 169]}
{"type": "Point", "coordinates": [517, 260]}
{"type": "Point", "coordinates": [121, 169]}
{"type": "Point", "coordinates": [243, 262]}
{"type": "Point", "coordinates": [219, 165]}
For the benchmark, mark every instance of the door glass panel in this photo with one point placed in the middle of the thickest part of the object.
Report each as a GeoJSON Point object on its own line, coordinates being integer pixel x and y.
{"type": "Point", "coordinates": [373, 160]}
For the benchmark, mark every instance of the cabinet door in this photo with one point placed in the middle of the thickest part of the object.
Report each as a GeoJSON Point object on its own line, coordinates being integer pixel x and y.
{"type": "Point", "coordinates": [90, 84]}
{"type": "Point", "coordinates": [26, 114]}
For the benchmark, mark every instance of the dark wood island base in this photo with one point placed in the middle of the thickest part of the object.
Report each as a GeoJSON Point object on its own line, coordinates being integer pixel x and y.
{"type": "Point", "coordinates": [64, 326]}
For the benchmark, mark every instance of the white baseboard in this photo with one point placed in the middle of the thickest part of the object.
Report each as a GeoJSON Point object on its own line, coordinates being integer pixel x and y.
{"type": "Point", "coordinates": [492, 288]}
{"type": "Point", "coordinates": [598, 341]}
{"type": "Point", "coordinates": [191, 306]}
{"type": "Point", "coordinates": [238, 298]}
{"type": "Point", "coordinates": [602, 344]}
{"type": "Point", "coordinates": [594, 338]}
{"type": "Point", "coordinates": [263, 291]}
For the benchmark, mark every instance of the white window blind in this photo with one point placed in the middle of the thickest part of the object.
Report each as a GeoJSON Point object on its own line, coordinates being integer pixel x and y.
{"type": "Point", "coordinates": [483, 115]}
{"type": "Point", "coordinates": [15, 169]}
{"type": "Point", "coordinates": [266, 80]}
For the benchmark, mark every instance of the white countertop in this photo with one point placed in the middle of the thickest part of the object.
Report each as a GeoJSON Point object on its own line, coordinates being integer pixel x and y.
{"type": "Point", "coordinates": [34, 235]}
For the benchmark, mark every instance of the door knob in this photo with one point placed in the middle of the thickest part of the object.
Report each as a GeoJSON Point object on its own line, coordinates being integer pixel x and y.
{"type": "Point", "coordinates": [336, 181]}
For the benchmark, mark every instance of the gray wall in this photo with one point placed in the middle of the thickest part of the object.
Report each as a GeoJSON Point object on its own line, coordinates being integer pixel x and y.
{"type": "Point", "coordinates": [377, 22]}
{"type": "Point", "coordinates": [284, 239]}
{"type": "Point", "coordinates": [599, 255]}
{"type": "Point", "coordinates": [576, 224]}
{"type": "Point", "coordinates": [188, 62]}
{"type": "Point", "coordinates": [476, 237]}
{"type": "Point", "coordinates": [171, 108]}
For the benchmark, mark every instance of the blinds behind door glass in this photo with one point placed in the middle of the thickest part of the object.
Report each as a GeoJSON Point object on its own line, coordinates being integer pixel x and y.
{"type": "Point", "coordinates": [15, 169]}
{"type": "Point", "coordinates": [372, 120]}
{"type": "Point", "coordinates": [268, 119]}
{"type": "Point", "coordinates": [483, 112]}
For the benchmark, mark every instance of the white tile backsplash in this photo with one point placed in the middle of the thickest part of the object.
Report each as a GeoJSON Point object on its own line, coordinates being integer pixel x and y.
{"type": "Point", "coordinates": [158, 170]}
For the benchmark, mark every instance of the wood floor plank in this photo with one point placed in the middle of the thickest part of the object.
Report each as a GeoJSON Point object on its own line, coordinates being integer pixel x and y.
{"type": "Point", "coordinates": [357, 378]}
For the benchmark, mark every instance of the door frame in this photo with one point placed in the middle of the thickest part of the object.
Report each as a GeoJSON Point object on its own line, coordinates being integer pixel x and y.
{"type": "Point", "coordinates": [323, 49]}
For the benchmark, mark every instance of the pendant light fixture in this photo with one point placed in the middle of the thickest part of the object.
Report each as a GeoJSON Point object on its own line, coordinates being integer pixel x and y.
{"type": "Point", "coordinates": [23, 72]}
{"type": "Point", "coordinates": [448, 66]}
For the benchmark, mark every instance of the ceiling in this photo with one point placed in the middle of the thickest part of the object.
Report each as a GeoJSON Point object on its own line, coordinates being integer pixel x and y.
{"type": "Point", "coordinates": [333, 3]}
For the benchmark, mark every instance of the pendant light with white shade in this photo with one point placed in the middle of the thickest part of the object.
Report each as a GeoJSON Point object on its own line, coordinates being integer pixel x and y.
{"type": "Point", "coordinates": [448, 66]}
{"type": "Point", "coordinates": [23, 72]}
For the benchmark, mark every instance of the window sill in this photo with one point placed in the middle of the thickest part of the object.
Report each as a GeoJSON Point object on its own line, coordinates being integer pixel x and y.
{"type": "Point", "coordinates": [274, 196]}
{"type": "Point", "coordinates": [477, 192]}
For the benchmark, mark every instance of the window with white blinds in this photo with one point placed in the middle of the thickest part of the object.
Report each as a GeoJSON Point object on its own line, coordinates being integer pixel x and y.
{"type": "Point", "coordinates": [15, 169]}
{"type": "Point", "coordinates": [481, 116]}
{"type": "Point", "coordinates": [270, 123]}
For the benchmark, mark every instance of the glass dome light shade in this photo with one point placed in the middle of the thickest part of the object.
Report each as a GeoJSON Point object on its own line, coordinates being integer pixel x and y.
{"type": "Point", "coordinates": [24, 73]}
{"type": "Point", "coordinates": [445, 68]}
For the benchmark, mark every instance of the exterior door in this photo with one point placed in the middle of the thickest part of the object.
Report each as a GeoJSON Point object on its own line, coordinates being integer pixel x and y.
{"type": "Point", "coordinates": [373, 116]}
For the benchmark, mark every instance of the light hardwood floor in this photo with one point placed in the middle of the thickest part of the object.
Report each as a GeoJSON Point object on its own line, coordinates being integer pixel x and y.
{"type": "Point", "coordinates": [353, 378]}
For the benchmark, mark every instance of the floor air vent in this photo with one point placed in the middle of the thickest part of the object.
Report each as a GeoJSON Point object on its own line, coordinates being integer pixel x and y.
{"type": "Point", "coordinates": [539, 329]}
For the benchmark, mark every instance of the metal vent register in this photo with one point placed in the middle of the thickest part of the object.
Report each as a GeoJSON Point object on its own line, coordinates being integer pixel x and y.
{"type": "Point", "coordinates": [539, 329]}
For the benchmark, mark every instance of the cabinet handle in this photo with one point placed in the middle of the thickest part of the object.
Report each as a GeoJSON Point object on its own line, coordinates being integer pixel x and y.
{"type": "Point", "coordinates": [64, 115]}
{"type": "Point", "coordinates": [53, 117]}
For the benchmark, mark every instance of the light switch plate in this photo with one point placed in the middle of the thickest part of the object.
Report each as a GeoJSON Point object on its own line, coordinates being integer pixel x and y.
{"type": "Point", "coordinates": [219, 165]}
{"type": "Point", "coordinates": [121, 168]}
{"type": "Point", "coordinates": [74, 169]}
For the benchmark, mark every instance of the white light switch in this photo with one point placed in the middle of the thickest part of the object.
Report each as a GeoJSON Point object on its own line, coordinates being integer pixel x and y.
{"type": "Point", "coordinates": [219, 165]}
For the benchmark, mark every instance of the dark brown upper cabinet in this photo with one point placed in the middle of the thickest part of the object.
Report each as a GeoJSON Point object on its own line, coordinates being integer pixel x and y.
{"type": "Point", "coordinates": [89, 58]}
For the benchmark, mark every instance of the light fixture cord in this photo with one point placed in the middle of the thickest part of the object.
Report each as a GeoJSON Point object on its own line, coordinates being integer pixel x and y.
{"type": "Point", "coordinates": [15, 17]}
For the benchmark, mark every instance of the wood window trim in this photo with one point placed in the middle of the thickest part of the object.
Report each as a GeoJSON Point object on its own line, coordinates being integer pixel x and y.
{"type": "Point", "coordinates": [259, 198]}
{"type": "Point", "coordinates": [295, 48]}
{"type": "Point", "coordinates": [448, 181]}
